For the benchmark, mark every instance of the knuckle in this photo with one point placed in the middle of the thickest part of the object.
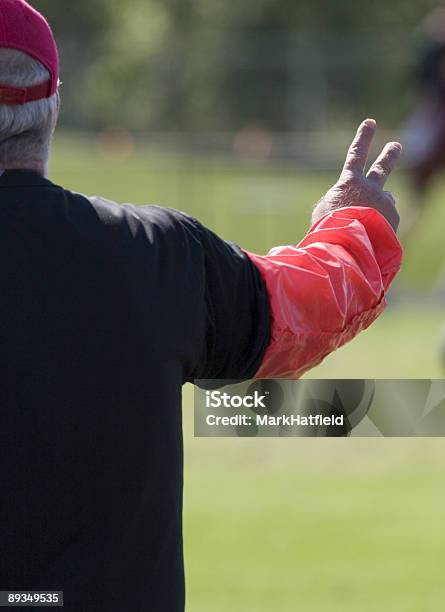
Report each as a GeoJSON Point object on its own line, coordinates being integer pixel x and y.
{"type": "Point", "coordinates": [377, 172]}
{"type": "Point", "coordinates": [392, 156]}
{"type": "Point", "coordinates": [382, 166]}
{"type": "Point", "coordinates": [343, 182]}
{"type": "Point", "coordinates": [354, 150]}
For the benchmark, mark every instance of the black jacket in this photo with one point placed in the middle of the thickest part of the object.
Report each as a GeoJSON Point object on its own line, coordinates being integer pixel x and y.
{"type": "Point", "coordinates": [105, 311]}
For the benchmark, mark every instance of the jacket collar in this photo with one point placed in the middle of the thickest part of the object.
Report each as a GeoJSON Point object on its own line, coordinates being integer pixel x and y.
{"type": "Point", "coordinates": [23, 178]}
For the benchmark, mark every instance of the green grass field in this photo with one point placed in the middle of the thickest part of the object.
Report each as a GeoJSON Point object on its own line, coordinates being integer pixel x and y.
{"type": "Point", "coordinates": [312, 525]}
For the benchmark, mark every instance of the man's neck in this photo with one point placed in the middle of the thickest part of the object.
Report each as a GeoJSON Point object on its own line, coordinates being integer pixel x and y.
{"type": "Point", "coordinates": [34, 166]}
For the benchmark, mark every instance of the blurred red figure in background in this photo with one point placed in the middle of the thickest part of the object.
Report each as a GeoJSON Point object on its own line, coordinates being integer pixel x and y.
{"type": "Point", "coordinates": [423, 136]}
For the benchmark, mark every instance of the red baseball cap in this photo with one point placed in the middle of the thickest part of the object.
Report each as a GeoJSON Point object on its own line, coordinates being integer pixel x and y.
{"type": "Point", "coordinates": [25, 29]}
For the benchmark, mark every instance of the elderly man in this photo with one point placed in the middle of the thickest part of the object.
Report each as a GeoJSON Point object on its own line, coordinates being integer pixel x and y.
{"type": "Point", "coordinates": [106, 310]}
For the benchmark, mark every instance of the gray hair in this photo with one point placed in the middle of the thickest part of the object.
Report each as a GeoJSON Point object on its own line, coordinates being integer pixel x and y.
{"type": "Point", "coordinates": [25, 131]}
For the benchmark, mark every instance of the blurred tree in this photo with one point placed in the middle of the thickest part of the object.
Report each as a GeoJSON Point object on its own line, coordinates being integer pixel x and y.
{"type": "Point", "coordinates": [218, 65]}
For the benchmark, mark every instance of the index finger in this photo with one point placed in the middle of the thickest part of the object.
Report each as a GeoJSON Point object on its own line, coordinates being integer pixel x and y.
{"type": "Point", "coordinates": [359, 149]}
{"type": "Point", "coordinates": [384, 164]}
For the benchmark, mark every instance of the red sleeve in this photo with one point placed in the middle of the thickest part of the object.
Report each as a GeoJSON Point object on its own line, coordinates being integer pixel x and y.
{"type": "Point", "coordinates": [327, 289]}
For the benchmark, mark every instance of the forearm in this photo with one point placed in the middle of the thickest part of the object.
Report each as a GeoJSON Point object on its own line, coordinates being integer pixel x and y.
{"type": "Point", "coordinates": [327, 289]}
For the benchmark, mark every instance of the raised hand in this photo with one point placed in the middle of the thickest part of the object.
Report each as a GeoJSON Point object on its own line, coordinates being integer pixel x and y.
{"type": "Point", "coordinates": [354, 188]}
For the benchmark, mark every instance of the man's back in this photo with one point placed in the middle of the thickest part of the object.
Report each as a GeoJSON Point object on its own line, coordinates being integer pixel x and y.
{"type": "Point", "coordinates": [97, 338]}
